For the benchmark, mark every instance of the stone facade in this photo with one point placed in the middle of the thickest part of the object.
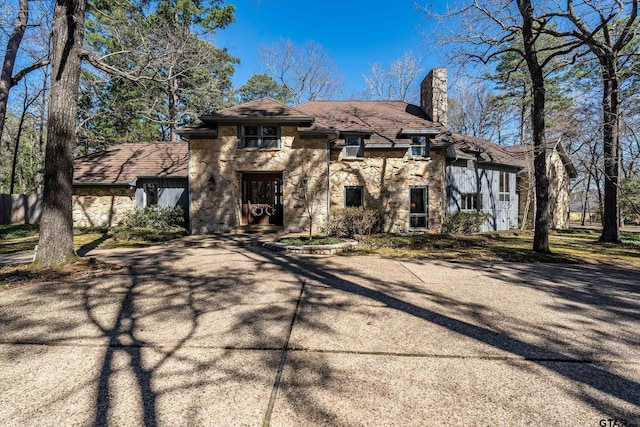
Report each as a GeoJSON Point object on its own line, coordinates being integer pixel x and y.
{"type": "Point", "coordinates": [559, 192]}
{"type": "Point", "coordinates": [386, 176]}
{"type": "Point", "coordinates": [218, 208]}
{"type": "Point", "coordinates": [101, 206]}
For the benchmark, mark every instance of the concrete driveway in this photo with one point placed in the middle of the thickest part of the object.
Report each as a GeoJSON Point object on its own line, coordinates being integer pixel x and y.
{"type": "Point", "coordinates": [188, 336]}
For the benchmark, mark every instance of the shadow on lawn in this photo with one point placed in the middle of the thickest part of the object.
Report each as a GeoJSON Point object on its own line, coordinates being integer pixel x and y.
{"type": "Point", "coordinates": [167, 302]}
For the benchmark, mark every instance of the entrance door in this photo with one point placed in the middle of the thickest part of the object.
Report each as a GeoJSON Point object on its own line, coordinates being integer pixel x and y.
{"type": "Point", "coordinates": [262, 199]}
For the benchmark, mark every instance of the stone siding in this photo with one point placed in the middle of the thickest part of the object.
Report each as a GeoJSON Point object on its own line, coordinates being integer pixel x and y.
{"type": "Point", "coordinates": [218, 209]}
{"type": "Point", "coordinates": [101, 206]}
{"type": "Point", "coordinates": [386, 177]}
{"type": "Point", "coordinates": [559, 192]}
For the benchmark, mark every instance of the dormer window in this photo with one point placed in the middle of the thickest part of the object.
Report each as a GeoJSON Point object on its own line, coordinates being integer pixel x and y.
{"type": "Point", "coordinates": [354, 147]}
{"type": "Point", "coordinates": [419, 146]}
{"type": "Point", "coordinates": [259, 136]}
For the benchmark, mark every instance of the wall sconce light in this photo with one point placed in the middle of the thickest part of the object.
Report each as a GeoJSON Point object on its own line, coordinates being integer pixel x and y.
{"type": "Point", "coordinates": [211, 183]}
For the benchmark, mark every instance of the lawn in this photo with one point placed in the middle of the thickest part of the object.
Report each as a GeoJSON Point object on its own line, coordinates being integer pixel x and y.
{"type": "Point", "coordinates": [568, 246]}
{"type": "Point", "coordinates": [19, 237]}
{"type": "Point", "coordinates": [16, 238]}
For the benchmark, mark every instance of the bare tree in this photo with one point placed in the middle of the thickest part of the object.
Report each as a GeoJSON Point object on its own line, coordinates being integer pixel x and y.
{"type": "Point", "coordinates": [606, 28]}
{"type": "Point", "coordinates": [307, 73]}
{"type": "Point", "coordinates": [7, 78]}
{"type": "Point", "coordinates": [398, 82]}
{"type": "Point", "coordinates": [487, 31]}
{"type": "Point", "coordinates": [56, 224]}
{"type": "Point", "coordinates": [473, 110]}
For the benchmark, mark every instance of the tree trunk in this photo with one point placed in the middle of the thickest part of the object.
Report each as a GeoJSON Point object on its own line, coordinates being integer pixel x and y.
{"type": "Point", "coordinates": [611, 144]}
{"type": "Point", "coordinates": [56, 224]}
{"type": "Point", "coordinates": [173, 108]}
{"type": "Point", "coordinates": [541, 220]}
{"type": "Point", "coordinates": [6, 76]}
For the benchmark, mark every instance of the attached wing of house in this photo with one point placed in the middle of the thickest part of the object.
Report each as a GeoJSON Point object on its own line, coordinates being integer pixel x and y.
{"type": "Point", "coordinates": [128, 176]}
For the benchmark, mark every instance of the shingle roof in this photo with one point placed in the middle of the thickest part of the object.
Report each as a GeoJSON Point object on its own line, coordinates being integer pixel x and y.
{"type": "Point", "coordinates": [384, 118]}
{"type": "Point", "coordinates": [258, 109]}
{"type": "Point", "coordinates": [524, 154]}
{"type": "Point", "coordinates": [122, 163]}
{"type": "Point", "coordinates": [465, 146]}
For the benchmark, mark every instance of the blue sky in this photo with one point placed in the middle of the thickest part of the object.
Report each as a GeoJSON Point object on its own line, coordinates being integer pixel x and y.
{"type": "Point", "coordinates": [355, 33]}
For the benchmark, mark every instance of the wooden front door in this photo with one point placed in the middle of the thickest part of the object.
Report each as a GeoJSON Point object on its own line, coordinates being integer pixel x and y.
{"type": "Point", "coordinates": [262, 199]}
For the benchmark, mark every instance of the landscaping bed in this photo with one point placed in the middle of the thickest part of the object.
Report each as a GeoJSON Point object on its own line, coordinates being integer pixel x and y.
{"type": "Point", "coordinates": [313, 245]}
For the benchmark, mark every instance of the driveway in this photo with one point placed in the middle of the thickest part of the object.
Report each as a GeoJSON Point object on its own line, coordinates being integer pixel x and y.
{"type": "Point", "coordinates": [188, 336]}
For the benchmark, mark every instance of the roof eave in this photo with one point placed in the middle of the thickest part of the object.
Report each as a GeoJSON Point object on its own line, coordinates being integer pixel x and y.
{"type": "Point", "coordinates": [300, 120]}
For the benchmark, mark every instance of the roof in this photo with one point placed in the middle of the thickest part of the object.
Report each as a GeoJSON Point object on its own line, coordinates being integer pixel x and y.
{"type": "Point", "coordinates": [123, 163]}
{"type": "Point", "coordinates": [468, 147]}
{"type": "Point", "coordinates": [521, 153]}
{"type": "Point", "coordinates": [259, 109]}
{"type": "Point", "coordinates": [383, 120]}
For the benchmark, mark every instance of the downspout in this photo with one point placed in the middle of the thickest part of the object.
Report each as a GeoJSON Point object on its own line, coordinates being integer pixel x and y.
{"type": "Point", "coordinates": [329, 141]}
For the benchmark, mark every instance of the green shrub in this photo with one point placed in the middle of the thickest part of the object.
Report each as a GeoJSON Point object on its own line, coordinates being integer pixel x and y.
{"type": "Point", "coordinates": [464, 222]}
{"type": "Point", "coordinates": [154, 217]}
{"type": "Point", "coordinates": [348, 222]}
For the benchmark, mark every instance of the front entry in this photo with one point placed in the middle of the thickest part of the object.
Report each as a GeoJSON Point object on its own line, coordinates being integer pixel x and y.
{"type": "Point", "coordinates": [262, 199]}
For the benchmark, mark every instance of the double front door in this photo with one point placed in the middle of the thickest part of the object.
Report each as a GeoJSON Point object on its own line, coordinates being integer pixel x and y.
{"type": "Point", "coordinates": [262, 199]}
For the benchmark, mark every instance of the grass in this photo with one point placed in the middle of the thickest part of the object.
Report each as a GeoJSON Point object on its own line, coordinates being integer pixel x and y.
{"type": "Point", "coordinates": [571, 246]}
{"type": "Point", "coordinates": [12, 276]}
{"type": "Point", "coordinates": [305, 241]}
{"type": "Point", "coordinates": [17, 238]}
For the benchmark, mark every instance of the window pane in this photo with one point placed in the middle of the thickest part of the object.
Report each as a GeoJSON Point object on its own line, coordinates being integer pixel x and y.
{"type": "Point", "coordinates": [353, 140]}
{"type": "Point", "coordinates": [418, 203]}
{"type": "Point", "coordinates": [270, 142]}
{"type": "Point", "coordinates": [418, 151]}
{"type": "Point", "coordinates": [251, 130]}
{"type": "Point", "coordinates": [152, 194]}
{"type": "Point", "coordinates": [418, 140]}
{"type": "Point", "coordinates": [418, 222]}
{"type": "Point", "coordinates": [353, 197]}
{"type": "Point", "coordinates": [269, 131]}
{"type": "Point", "coordinates": [251, 142]}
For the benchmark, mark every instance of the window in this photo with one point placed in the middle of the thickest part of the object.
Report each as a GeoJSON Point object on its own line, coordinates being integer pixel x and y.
{"type": "Point", "coordinates": [418, 207]}
{"type": "Point", "coordinates": [353, 141]}
{"type": "Point", "coordinates": [151, 193]}
{"type": "Point", "coordinates": [419, 146]}
{"type": "Point", "coordinates": [470, 201]}
{"type": "Point", "coordinates": [353, 197]}
{"type": "Point", "coordinates": [353, 147]}
{"type": "Point", "coordinates": [504, 194]}
{"type": "Point", "coordinates": [259, 136]}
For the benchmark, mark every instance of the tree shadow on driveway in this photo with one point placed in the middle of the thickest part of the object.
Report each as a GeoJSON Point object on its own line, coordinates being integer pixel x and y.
{"type": "Point", "coordinates": [206, 330]}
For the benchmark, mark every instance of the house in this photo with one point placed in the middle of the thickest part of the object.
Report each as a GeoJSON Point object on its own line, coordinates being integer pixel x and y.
{"type": "Point", "coordinates": [261, 163]}
{"type": "Point", "coordinates": [560, 170]}
{"type": "Point", "coordinates": [127, 176]}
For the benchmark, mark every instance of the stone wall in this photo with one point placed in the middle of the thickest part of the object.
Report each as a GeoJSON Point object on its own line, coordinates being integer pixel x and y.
{"type": "Point", "coordinates": [559, 189]}
{"type": "Point", "coordinates": [386, 177]}
{"type": "Point", "coordinates": [218, 209]}
{"type": "Point", "coordinates": [559, 193]}
{"type": "Point", "coordinates": [101, 206]}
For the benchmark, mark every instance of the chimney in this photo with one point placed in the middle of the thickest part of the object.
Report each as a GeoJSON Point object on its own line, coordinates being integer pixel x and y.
{"type": "Point", "coordinates": [433, 95]}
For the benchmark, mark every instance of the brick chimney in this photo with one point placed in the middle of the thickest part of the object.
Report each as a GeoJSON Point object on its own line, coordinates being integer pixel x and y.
{"type": "Point", "coordinates": [433, 95]}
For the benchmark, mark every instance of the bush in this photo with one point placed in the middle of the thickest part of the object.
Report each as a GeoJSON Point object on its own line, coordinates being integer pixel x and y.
{"type": "Point", "coordinates": [348, 222]}
{"type": "Point", "coordinates": [155, 217]}
{"type": "Point", "coordinates": [464, 222]}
